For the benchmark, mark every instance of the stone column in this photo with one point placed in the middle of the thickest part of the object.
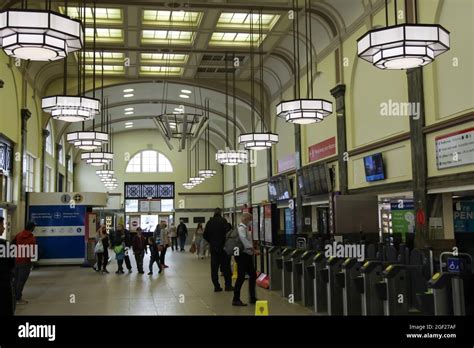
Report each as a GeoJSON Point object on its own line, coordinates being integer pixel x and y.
{"type": "Point", "coordinates": [56, 176]}
{"type": "Point", "coordinates": [339, 93]}
{"type": "Point", "coordinates": [25, 116]}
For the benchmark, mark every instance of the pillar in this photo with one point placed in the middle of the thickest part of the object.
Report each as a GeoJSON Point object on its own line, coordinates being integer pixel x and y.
{"type": "Point", "coordinates": [339, 93]}
{"type": "Point", "coordinates": [56, 165]}
{"type": "Point", "coordinates": [45, 135]}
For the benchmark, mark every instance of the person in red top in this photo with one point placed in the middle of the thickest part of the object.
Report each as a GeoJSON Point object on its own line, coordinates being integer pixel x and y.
{"type": "Point", "coordinates": [23, 262]}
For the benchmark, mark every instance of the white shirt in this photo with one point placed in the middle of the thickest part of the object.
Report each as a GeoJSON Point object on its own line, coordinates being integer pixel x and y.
{"type": "Point", "coordinates": [246, 238]}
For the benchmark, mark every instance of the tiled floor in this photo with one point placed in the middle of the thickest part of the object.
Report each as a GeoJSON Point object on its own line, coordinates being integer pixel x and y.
{"type": "Point", "coordinates": [183, 289]}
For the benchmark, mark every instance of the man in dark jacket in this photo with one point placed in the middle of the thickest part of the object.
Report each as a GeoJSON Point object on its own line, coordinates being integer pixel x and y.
{"type": "Point", "coordinates": [139, 249]}
{"type": "Point", "coordinates": [123, 236]}
{"type": "Point", "coordinates": [182, 231]}
{"type": "Point", "coordinates": [215, 233]}
{"type": "Point", "coordinates": [7, 268]}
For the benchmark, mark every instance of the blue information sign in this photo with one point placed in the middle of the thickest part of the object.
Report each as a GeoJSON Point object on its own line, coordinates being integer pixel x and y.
{"type": "Point", "coordinates": [454, 265]}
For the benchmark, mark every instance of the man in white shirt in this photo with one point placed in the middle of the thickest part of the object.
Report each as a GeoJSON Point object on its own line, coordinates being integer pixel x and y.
{"type": "Point", "coordinates": [245, 263]}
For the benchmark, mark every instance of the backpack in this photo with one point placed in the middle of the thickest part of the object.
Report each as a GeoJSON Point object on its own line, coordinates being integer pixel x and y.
{"type": "Point", "coordinates": [232, 241]}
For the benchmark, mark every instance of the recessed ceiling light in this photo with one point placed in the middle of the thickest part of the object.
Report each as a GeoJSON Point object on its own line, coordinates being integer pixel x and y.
{"type": "Point", "coordinates": [129, 113]}
{"type": "Point", "coordinates": [186, 91]}
{"type": "Point", "coordinates": [184, 96]}
{"type": "Point", "coordinates": [128, 90]}
{"type": "Point", "coordinates": [128, 95]}
{"type": "Point", "coordinates": [131, 126]}
{"type": "Point", "coordinates": [129, 123]}
{"type": "Point", "coordinates": [179, 110]}
{"type": "Point", "coordinates": [128, 109]}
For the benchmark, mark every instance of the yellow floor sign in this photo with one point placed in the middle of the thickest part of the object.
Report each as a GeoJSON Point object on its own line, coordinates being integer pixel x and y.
{"type": "Point", "coordinates": [261, 308]}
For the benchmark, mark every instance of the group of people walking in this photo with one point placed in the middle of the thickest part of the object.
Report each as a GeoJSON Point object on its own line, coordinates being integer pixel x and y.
{"type": "Point", "coordinates": [212, 237]}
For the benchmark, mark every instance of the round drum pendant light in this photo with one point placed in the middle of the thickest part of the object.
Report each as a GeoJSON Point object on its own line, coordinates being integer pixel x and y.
{"type": "Point", "coordinates": [38, 35]}
{"type": "Point", "coordinates": [71, 109]}
{"type": "Point", "coordinates": [258, 141]}
{"type": "Point", "coordinates": [97, 158]}
{"type": "Point", "coordinates": [404, 46]}
{"type": "Point", "coordinates": [87, 140]}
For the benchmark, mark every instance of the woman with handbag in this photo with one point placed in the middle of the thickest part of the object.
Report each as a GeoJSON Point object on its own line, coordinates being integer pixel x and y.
{"type": "Point", "coordinates": [102, 249]}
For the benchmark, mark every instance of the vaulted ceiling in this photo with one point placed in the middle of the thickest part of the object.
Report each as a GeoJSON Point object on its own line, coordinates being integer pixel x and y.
{"type": "Point", "coordinates": [146, 42]}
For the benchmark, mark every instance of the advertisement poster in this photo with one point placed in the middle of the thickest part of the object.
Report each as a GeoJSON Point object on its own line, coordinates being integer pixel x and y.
{"type": "Point", "coordinates": [286, 163]}
{"type": "Point", "coordinates": [289, 221]}
{"type": "Point", "coordinates": [268, 223]}
{"type": "Point", "coordinates": [60, 231]}
{"type": "Point", "coordinates": [403, 218]}
{"type": "Point", "coordinates": [464, 217]}
{"type": "Point", "coordinates": [455, 149]}
{"type": "Point", "coordinates": [255, 229]}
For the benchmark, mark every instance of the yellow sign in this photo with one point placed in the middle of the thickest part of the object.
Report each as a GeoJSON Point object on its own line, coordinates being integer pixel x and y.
{"type": "Point", "coordinates": [234, 274]}
{"type": "Point", "coordinates": [261, 308]}
{"type": "Point", "coordinates": [366, 264]}
{"type": "Point", "coordinates": [389, 268]}
{"type": "Point", "coordinates": [436, 276]}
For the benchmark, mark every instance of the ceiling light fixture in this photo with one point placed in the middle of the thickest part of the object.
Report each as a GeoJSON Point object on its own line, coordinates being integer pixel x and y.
{"type": "Point", "coordinates": [129, 113]}
{"type": "Point", "coordinates": [184, 96]}
{"type": "Point", "coordinates": [207, 172]}
{"type": "Point", "coordinates": [231, 157]}
{"type": "Point", "coordinates": [403, 46]}
{"type": "Point", "coordinates": [186, 91]}
{"type": "Point", "coordinates": [128, 90]}
{"type": "Point", "coordinates": [128, 109]}
{"type": "Point", "coordinates": [39, 35]}
{"type": "Point", "coordinates": [128, 95]}
{"type": "Point", "coordinates": [97, 158]}
{"type": "Point", "coordinates": [105, 173]}
{"type": "Point", "coordinates": [257, 140]}
{"type": "Point", "coordinates": [303, 110]}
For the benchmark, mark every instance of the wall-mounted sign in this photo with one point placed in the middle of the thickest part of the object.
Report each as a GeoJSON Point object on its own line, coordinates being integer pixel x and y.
{"type": "Point", "coordinates": [464, 217]}
{"type": "Point", "coordinates": [323, 149]}
{"type": "Point", "coordinates": [455, 149]}
{"type": "Point", "coordinates": [286, 163]}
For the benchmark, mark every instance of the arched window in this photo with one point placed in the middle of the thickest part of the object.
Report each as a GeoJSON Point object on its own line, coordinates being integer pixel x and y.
{"type": "Point", "coordinates": [49, 139]}
{"type": "Point", "coordinates": [149, 161]}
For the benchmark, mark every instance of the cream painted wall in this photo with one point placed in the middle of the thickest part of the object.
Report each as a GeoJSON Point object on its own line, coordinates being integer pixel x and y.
{"type": "Point", "coordinates": [397, 168]}
{"type": "Point", "coordinates": [259, 193]}
{"type": "Point", "coordinates": [431, 153]}
{"type": "Point", "coordinates": [126, 145]}
{"type": "Point", "coordinates": [315, 133]}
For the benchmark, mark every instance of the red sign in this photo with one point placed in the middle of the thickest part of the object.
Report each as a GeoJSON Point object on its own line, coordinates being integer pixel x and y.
{"type": "Point", "coordinates": [323, 149]}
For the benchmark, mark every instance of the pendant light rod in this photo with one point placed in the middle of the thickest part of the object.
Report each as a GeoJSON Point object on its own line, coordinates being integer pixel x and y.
{"type": "Point", "coordinates": [234, 106]}
{"type": "Point", "coordinates": [94, 60]}
{"type": "Point", "coordinates": [226, 99]}
{"type": "Point", "coordinates": [252, 73]}
{"type": "Point", "coordinates": [262, 93]}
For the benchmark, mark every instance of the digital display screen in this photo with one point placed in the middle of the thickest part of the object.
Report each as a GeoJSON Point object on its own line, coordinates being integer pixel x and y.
{"type": "Point", "coordinates": [374, 169]}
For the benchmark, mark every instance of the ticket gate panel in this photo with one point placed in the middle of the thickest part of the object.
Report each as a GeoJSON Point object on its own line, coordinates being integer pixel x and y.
{"type": "Point", "coordinates": [371, 272]}
{"type": "Point", "coordinates": [334, 288]}
{"type": "Point", "coordinates": [395, 301]}
{"type": "Point", "coordinates": [273, 270]}
{"type": "Point", "coordinates": [319, 285]}
{"type": "Point", "coordinates": [306, 278]}
{"type": "Point", "coordinates": [351, 287]}
{"type": "Point", "coordinates": [286, 272]}
{"type": "Point", "coordinates": [295, 276]}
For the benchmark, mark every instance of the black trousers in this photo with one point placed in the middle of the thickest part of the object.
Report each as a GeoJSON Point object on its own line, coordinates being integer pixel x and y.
{"type": "Point", "coordinates": [245, 265]}
{"type": "Point", "coordinates": [162, 254]}
{"type": "Point", "coordinates": [102, 260]}
{"type": "Point", "coordinates": [22, 272]}
{"type": "Point", "coordinates": [7, 300]}
{"type": "Point", "coordinates": [127, 258]}
{"type": "Point", "coordinates": [139, 259]}
{"type": "Point", "coordinates": [174, 243]}
{"type": "Point", "coordinates": [154, 259]}
{"type": "Point", "coordinates": [220, 259]}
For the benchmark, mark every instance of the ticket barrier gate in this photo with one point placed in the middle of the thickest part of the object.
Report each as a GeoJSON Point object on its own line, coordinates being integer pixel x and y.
{"type": "Point", "coordinates": [371, 274]}
{"type": "Point", "coordinates": [273, 271]}
{"type": "Point", "coordinates": [290, 267]}
{"type": "Point", "coordinates": [448, 287]}
{"type": "Point", "coordinates": [392, 290]}
{"type": "Point", "coordinates": [305, 277]}
{"type": "Point", "coordinates": [347, 278]}
{"type": "Point", "coordinates": [285, 276]}
{"type": "Point", "coordinates": [320, 299]}
{"type": "Point", "coordinates": [334, 288]}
